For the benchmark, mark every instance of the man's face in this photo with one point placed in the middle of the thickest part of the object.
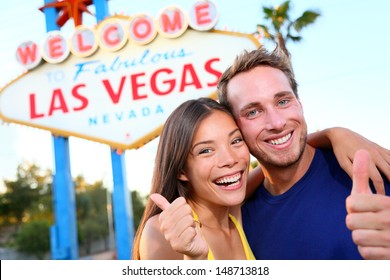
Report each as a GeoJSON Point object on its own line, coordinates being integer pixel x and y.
{"type": "Point", "coordinates": [269, 116]}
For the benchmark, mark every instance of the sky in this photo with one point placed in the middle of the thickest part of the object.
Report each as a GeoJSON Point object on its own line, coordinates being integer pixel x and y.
{"type": "Point", "coordinates": [341, 67]}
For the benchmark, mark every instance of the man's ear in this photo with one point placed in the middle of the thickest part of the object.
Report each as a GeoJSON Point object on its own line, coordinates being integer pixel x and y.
{"type": "Point", "coordinates": [182, 176]}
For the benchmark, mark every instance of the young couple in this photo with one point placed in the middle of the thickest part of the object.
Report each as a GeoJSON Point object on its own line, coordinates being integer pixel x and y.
{"type": "Point", "coordinates": [306, 203]}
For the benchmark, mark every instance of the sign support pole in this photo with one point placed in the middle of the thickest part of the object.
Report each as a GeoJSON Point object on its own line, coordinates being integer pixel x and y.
{"type": "Point", "coordinates": [122, 207]}
{"type": "Point", "coordinates": [199, 64]}
{"type": "Point", "coordinates": [64, 243]}
{"type": "Point", "coordinates": [122, 204]}
{"type": "Point", "coordinates": [63, 234]}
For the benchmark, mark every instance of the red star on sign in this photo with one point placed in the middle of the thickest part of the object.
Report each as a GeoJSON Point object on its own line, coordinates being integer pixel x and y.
{"type": "Point", "coordinates": [69, 9]}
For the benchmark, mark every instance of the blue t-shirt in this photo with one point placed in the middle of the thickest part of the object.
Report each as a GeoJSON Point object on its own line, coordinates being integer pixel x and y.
{"type": "Point", "coordinates": [306, 222]}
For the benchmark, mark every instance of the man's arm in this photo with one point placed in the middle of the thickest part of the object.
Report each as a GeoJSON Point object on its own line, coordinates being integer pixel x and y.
{"type": "Point", "coordinates": [345, 143]}
{"type": "Point", "coordinates": [368, 214]}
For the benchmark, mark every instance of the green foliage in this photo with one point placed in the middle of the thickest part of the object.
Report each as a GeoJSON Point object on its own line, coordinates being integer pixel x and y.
{"type": "Point", "coordinates": [91, 230]}
{"type": "Point", "coordinates": [31, 183]}
{"type": "Point", "coordinates": [138, 208]}
{"type": "Point", "coordinates": [281, 28]}
{"type": "Point", "coordinates": [27, 205]}
{"type": "Point", "coordinates": [34, 238]}
{"type": "Point", "coordinates": [307, 18]}
{"type": "Point", "coordinates": [92, 216]}
{"type": "Point", "coordinates": [254, 164]}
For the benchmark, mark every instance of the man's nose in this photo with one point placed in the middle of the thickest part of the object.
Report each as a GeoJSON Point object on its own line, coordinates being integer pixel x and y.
{"type": "Point", "coordinates": [274, 120]}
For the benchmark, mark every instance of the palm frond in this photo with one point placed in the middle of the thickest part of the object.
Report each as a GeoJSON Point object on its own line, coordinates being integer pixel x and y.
{"type": "Point", "coordinates": [283, 9]}
{"type": "Point", "coordinates": [268, 12]}
{"type": "Point", "coordinates": [280, 27]}
{"type": "Point", "coordinates": [294, 38]}
{"type": "Point", "coordinates": [307, 18]}
{"type": "Point", "coordinates": [264, 32]}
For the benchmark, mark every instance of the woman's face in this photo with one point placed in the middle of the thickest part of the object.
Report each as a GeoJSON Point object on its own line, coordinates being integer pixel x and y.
{"type": "Point", "coordinates": [217, 166]}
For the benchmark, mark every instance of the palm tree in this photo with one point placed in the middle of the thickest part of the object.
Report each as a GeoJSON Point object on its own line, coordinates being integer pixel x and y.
{"type": "Point", "coordinates": [283, 29]}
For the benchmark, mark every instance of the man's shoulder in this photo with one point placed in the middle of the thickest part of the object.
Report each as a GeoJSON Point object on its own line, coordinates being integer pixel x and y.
{"type": "Point", "coordinates": [326, 170]}
{"type": "Point", "coordinates": [325, 158]}
{"type": "Point", "coordinates": [325, 154]}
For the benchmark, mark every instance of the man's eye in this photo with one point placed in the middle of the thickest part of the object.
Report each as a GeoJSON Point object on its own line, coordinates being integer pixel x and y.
{"type": "Point", "coordinates": [283, 102]}
{"type": "Point", "coordinates": [251, 113]}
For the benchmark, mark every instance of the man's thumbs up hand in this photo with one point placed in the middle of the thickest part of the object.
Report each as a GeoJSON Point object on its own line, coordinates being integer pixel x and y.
{"type": "Point", "coordinates": [368, 214]}
{"type": "Point", "coordinates": [361, 170]}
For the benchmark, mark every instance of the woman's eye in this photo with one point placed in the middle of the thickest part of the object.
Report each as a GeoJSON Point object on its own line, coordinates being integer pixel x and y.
{"type": "Point", "coordinates": [205, 151]}
{"type": "Point", "coordinates": [237, 140]}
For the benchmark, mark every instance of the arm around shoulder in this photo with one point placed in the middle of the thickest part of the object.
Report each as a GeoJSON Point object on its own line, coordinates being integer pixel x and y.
{"type": "Point", "coordinates": [346, 143]}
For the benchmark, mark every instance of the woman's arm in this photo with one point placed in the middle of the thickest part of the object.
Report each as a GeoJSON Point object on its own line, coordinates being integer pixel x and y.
{"type": "Point", "coordinates": [345, 143]}
{"type": "Point", "coordinates": [180, 230]}
{"type": "Point", "coordinates": [153, 245]}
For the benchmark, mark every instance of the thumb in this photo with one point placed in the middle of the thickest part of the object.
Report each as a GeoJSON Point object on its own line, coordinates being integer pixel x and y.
{"type": "Point", "coordinates": [361, 166]}
{"type": "Point", "coordinates": [160, 201]}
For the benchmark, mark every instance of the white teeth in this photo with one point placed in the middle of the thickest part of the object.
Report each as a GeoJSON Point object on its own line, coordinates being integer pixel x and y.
{"type": "Point", "coordinates": [280, 140]}
{"type": "Point", "coordinates": [228, 180]}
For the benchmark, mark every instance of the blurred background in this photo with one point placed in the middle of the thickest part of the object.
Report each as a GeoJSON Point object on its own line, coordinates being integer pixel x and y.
{"type": "Point", "coordinates": [340, 56]}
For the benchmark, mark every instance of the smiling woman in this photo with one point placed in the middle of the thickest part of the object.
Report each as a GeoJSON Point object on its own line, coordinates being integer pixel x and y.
{"type": "Point", "coordinates": [200, 178]}
{"type": "Point", "coordinates": [329, 90]}
{"type": "Point", "coordinates": [199, 183]}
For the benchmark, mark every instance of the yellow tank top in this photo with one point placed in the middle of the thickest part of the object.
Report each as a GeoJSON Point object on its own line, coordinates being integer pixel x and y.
{"type": "Point", "coordinates": [247, 249]}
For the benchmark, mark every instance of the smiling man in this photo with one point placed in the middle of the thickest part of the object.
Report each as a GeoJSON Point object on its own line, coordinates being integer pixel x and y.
{"type": "Point", "coordinates": [299, 211]}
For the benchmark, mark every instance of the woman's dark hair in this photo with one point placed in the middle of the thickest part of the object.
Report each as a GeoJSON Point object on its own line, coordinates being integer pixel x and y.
{"type": "Point", "coordinates": [172, 152]}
